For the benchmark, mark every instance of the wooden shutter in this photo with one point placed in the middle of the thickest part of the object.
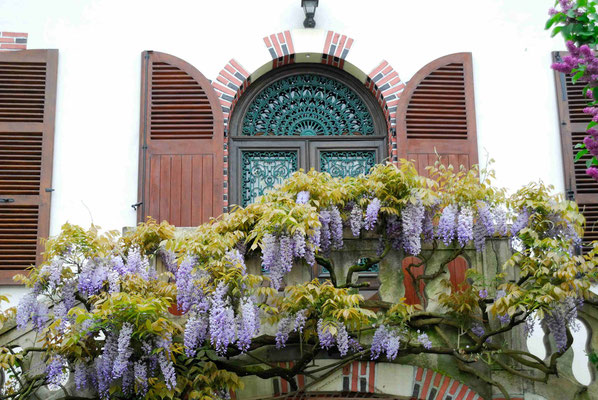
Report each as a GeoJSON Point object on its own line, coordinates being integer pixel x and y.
{"type": "Point", "coordinates": [182, 134]}
{"type": "Point", "coordinates": [27, 113]}
{"type": "Point", "coordinates": [573, 122]}
{"type": "Point", "coordinates": [457, 274]}
{"type": "Point", "coordinates": [436, 114]}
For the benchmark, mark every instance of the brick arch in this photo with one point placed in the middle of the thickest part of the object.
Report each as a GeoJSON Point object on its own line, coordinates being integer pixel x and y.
{"type": "Point", "coordinates": [383, 81]}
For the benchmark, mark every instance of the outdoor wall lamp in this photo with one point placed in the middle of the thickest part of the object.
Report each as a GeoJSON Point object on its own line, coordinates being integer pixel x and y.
{"type": "Point", "coordinates": [309, 8]}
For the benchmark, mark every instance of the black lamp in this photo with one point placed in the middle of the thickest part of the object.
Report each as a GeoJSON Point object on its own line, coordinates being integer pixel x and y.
{"type": "Point", "coordinates": [309, 7]}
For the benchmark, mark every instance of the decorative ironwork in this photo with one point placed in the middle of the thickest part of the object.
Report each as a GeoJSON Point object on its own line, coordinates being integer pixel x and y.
{"type": "Point", "coordinates": [307, 105]}
{"type": "Point", "coordinates": [262, 170]}
{"type": "Point", "coordinates": [347, 163]}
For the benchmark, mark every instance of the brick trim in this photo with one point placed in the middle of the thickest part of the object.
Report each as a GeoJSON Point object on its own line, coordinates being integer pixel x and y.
{"type": "Point", "coordinates": [429, 384]}
{"type": "Point", "coordinates": [336, 48]}
{"type": "Point", "coordinates": [383, 82]}
{"type": "Point", "coordinates": [11, 41]}
{"type": "Point", "coordinates": [281, 48]}
{"type": "Point", "coordinates": [386, 86]}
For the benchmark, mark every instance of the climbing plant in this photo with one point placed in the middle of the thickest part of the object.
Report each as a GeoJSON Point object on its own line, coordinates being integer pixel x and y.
{"type": "Point", "coordinates": [125, 328]}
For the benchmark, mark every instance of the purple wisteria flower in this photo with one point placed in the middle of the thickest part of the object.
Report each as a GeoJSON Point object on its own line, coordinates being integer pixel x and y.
{"type": "Point", "coordinates": [140, 371]}
{"type": "Point", "coordinates": [195, 334]}
{"type": "Point", "coordinates": [92, 277]}
{"type": "Point", "coordinates": [188, 293]}
{"type": "Point", "coordinates": [394, 232]}
{"type": "Point", "coordinates": [269, 251]}
{"type": "Point", "coordinates": [302, 197]}
{"type": "Point", "coordinates": [465, 226]}
{"type": "Point", "coordinates": [563, 315]}
{"type": "Point", "coordinates": [235, 258]}
{"type": "Point", "coordinates": [504, 319]}
{"type": "Point", "coordinates": [385, 341]}
{"type": "Point", "coordinates": [169, 260]}
{"type": "Point", "coordinates": [285, 326]}
{"type": "Point", "coordinates": [500, 221]}
{"type": "Point", "coordinates": [424, 340]}
{"type": "Point", "coordinates": [336, 228]}
{"type": "Point", "coordinates": [342, 340]}
{"type": "Point", "coordinates": [428, 224]}
{"type": "Point", "coordinates": [356, 220]}
{"type": "Point", "coordinates": [54, 369]}
{"type": "Point", "coordinates": [371, 214]}
{"type": "Point", "coordinates": [478, 330]}
{"type": "Point", "coordinates": [222, 320]}
{"type": "Point", "coordinates": [378, 342]}
{"type": "Point", "coordinates": [326, 338]}
{"type": "Point", "coordinates": [249, 323]}
{"type": "Point", "coordinates": [412, 223]}
{"type": "Point", "coordinates": [299, 245]}
{"type": "Point", "coordinates": [300, 319]}
{"type": "Point", "coordinates": [168, 371]}
{"type": "Point", "coordinates": [447, 224]}
{"type": "Point", "coordinates": [521, 221]}
{"type": "Point", "coordinates": [124, 351]}
{"type": "Point", "coordinates": [81, 375]}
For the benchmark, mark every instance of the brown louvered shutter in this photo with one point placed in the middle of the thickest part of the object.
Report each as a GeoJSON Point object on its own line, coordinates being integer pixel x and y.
{"type": "Point", "coordinates": [27, 113]}
{"type": "Point", "coordinates": [436, 114]}
{"type": "Point", "coordinates": [573, 122]}
{"type": "Point", "coordinates": [182, 134]}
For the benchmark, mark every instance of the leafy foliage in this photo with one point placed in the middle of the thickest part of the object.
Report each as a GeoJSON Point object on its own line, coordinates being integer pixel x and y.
{"type": "Point", "coordinates": [105, 309]}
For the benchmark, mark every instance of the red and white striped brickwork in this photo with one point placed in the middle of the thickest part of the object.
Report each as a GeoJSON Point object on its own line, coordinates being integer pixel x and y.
{"type": "Point", "coordinates": [386, 86]}
{"type": "Point", "coordinates": [431, 385]}
{"type": "Point", "coordinates": [280, 46]}
{"type": "Point", "coordinates": [281, 386]}
{"type": "Point", "coordinates": [359, 376]}
{"type": "Point", "coordinates": [336, 49]}
{"type": "Point", "coordinates": [10, 41]}
{"type": "Point", "coordinates": [230, 84]}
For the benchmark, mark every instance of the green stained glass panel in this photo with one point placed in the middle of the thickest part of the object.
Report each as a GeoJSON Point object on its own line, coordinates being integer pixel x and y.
{"type": "Point", "coordinates": [347, 163]}
{"type": "Point", "coordinates": [262, 170]}
{"type": "Point", "coordinates": [307, 105]}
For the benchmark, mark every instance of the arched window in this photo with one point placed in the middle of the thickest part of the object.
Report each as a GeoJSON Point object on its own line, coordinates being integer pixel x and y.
{"type": "Point", "coordinates": [302, 116]}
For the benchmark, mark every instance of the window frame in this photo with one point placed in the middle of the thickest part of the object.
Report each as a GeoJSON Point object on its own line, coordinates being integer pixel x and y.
{"type": "Point", "coordinates": [308, 147]}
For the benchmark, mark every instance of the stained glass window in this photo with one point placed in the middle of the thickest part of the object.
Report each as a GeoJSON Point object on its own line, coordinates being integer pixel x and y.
{"type": "Point", "coordinates": [307, 105]}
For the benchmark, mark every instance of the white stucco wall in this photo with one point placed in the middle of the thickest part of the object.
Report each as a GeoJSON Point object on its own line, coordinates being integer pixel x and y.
{"type": "Point", "coordinates": [100, 41]}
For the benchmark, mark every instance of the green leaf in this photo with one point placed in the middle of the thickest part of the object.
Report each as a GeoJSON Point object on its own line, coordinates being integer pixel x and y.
{"type": "Point", "coordinates": [556, 30]}
{"type": "Point", "coordinates": [580, 146]}
{"type": "Point", "coordinates": [580, 154]}
{"type": "Point", "coordinates": [578, 75]}
{"type": "Point", "coordinates": [551, 21]}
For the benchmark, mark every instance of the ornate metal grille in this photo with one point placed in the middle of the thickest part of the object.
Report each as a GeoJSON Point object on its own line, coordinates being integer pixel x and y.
{"type": "Point", "coordinates": [307, 105]}
{"type": "Point", "coordinates": [347, 163]}
{"type": "Point", "coordinates": [261, 170]}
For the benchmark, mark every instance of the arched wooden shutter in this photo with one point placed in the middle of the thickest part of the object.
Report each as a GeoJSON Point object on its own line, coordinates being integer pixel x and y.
{"type": "Point", "coordinates": [573, 122]}
{"type": "Point", "coordinates": [436, 114]}
{"type": "Point", "coordinates": [457, 270]}
{"type": "Point", "coordinates": [182, 134]}
{"type": "Point", "coordinates": [27, 113]}
{"type": "Point", "coordinates": [410, 292]}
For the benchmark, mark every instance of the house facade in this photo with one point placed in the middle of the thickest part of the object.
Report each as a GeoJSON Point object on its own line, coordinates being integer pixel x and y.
{"type": "Point", "coordinates": [179, 111]}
